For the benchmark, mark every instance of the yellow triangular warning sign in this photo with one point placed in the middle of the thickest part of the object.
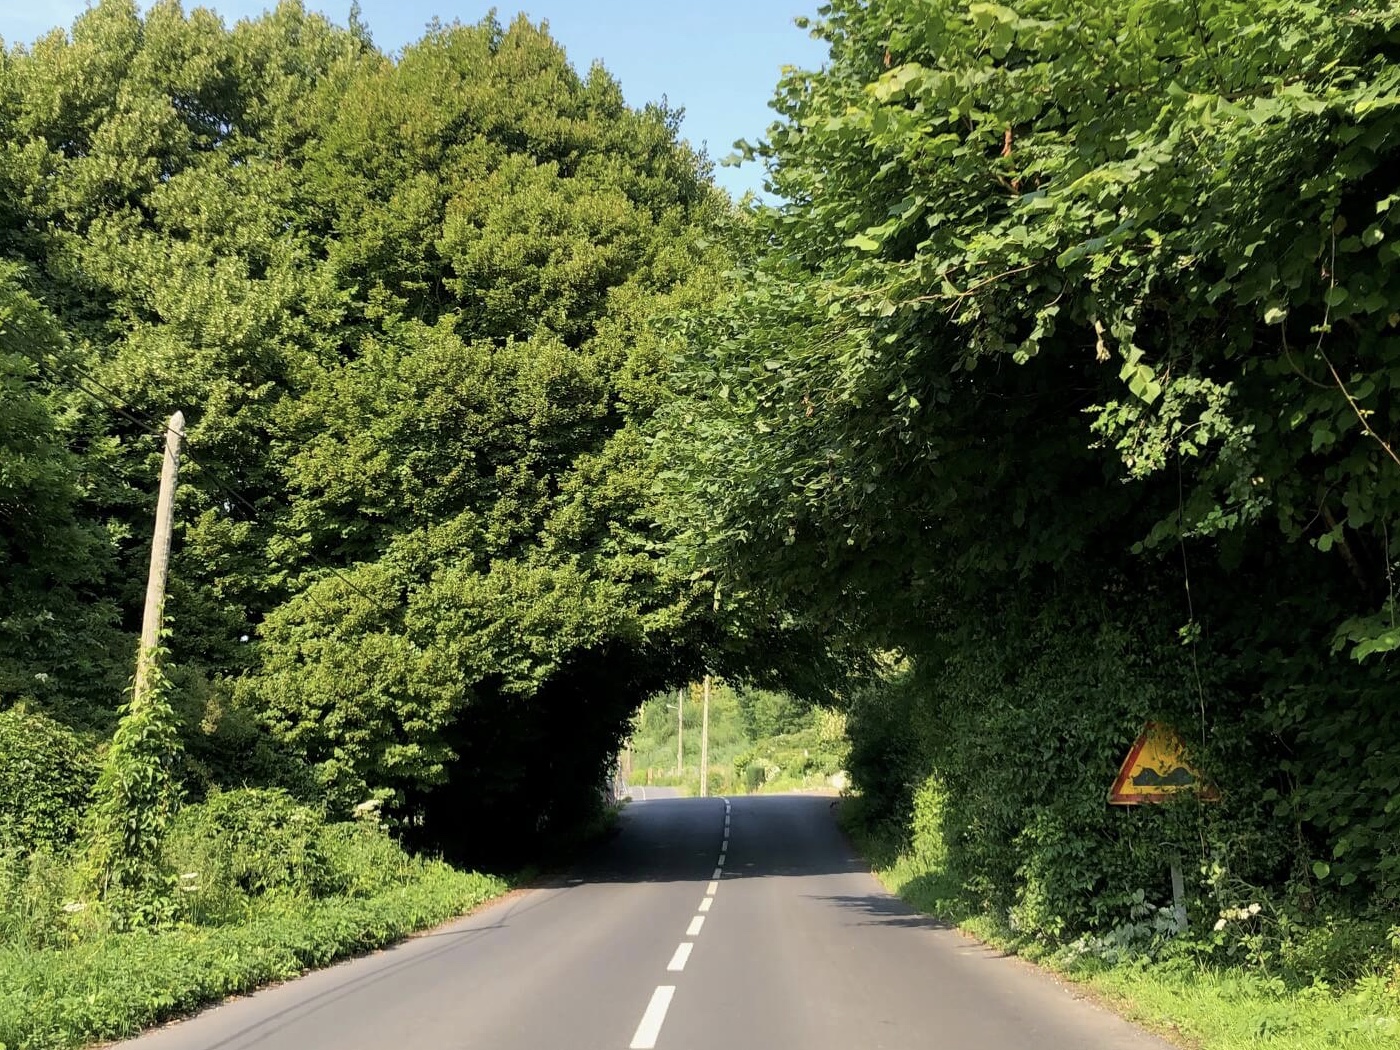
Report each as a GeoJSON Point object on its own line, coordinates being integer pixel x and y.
{"type": "Point", "coordinates": [1156, 768]}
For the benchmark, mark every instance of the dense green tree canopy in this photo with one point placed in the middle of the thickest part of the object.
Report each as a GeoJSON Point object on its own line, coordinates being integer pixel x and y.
{"type": "Point", "coordinates": [1081, 314]}
{"type": "Point", "coordinates": [1072, 341]}
{"type": "Point", "coordinates": [1103, 228]}
{"type": "Point", "coordinates": [410, 307]}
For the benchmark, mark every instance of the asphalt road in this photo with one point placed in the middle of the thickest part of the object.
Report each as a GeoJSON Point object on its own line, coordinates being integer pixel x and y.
{"type": "Point", "coordinates": [745, 924]}
{"type": "Point", "coordinates": [638, 793]}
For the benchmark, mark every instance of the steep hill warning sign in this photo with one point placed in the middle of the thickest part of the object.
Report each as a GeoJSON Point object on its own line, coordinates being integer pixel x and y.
{"type": "Point", "coordinates": [1156, 768]}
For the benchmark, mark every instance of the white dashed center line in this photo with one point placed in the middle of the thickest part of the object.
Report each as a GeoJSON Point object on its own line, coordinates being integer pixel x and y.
{"type": "Point", "coordinates": [655, 1015]}
{"type": "Point", "coordinates": [650, 1028]}
{"type": "Point", "coordinates": [678, 960]}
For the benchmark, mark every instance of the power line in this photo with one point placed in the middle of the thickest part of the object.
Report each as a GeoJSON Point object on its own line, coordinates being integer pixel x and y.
{"type": "Point", "coordinates": [159, 430]}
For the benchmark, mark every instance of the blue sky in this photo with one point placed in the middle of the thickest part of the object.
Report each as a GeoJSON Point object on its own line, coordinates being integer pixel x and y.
{"type": "Point", "coordinates": [719, 59]}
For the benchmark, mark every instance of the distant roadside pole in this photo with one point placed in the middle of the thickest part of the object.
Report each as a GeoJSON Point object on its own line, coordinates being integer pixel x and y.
{"type": "Point", "coordinates": [705, 742]}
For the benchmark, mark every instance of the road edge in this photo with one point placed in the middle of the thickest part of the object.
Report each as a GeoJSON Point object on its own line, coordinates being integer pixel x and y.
{"type": "Point", "coordinates": [1078, 986]}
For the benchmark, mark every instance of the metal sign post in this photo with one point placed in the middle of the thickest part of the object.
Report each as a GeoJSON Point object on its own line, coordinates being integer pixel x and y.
{"type": "Point", "coordinates": [1156, 769]}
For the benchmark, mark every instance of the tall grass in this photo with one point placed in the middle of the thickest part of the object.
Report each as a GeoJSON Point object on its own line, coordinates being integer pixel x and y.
{"type": "Point", "coordinates": [111, 985]}
{"type": "Point", "coordinates": [254, 887]}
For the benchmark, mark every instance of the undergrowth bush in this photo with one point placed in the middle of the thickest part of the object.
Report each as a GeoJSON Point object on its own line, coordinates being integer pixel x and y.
{"type": "Point", "coordinates": [986, 765]}
{"type": "Point", "coordinates": [362, 859]}
{"type": "Point", "coordinates": [47, 773]}
{"type": "Point", "coordinates": [236, 847]}
{"type": "Point", "coordinates": [34, 888]}
{"type": "Point", "coordinates": [115, 984]}
{"type": "Point", "coordinates": [245, 843]}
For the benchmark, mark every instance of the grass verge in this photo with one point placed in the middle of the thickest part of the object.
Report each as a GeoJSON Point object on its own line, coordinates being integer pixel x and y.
{"type": "Point", "coordinates": [1202, 1008]}
{"type": "Point", "coordinates": [113, 986]}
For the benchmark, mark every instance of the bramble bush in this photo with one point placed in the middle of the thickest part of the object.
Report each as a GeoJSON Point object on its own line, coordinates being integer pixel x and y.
{"type": "Point", "coordinates": [237, 848]}
{"type": "Point", "coordinates": [243, 844]}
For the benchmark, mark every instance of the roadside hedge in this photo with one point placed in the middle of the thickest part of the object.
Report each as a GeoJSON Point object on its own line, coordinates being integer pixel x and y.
{"type": "Point", "coordinates": [111, 987]}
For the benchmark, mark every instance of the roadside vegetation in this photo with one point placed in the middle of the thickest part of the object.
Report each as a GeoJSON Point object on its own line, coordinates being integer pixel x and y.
{"type": "Point", "coordinates": [1056, 395]}
{"type": "Point", "coordinates": [250, 888]}
{"type": "Point", "coordinates": [408, 307]}
{"type": "Point", "coordinates": [101, 935]}
{"type": "Point", "coordinates": [1062, 386]}
{"type": "Point", "coordinates": [1253, 982]}
{"type": "Point", "coordinates": [760, 740]}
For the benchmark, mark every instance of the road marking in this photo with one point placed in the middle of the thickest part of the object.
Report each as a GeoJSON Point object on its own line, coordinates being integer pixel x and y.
{"type": "Point", "coordinates": [721, 860]}
{"type": "Point", "coordinates": [705, 903]}
{"type": "Point", "coordinates": [718, 873]}
{"type": "Point", "coordinates": [712, 888]}
{"type": "Point", "coordinates": [724, 845]}
{"type": "Point", "coordinates": [693, 930]}
{"type": "Point", "coordinates": [655, 1016]}
{"type": "Point", "coordinates": [678, 960]}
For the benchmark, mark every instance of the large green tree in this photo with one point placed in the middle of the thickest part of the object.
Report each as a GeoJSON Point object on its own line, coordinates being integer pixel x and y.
{"type": "Point", "coordinates": [411, 307]}
{"type": "Point", "coordinates": [57, 628]}
{"type": "Point", "coordinates": [1084, 314]}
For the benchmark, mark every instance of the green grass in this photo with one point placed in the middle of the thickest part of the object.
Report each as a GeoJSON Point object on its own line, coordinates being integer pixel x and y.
{"type": "Point", "coordinates": [112, 986]}
{"type": "Point", "coordinates": [258, 889]}
{"type": "Point", "coordinates": [1232, 1010]}
{"type": "Point", "coordinates": [1192, 1005]}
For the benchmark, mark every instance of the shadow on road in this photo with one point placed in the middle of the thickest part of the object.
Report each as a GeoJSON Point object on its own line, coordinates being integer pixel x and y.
{"type": "Point", "coordinates": [678, 839]}
{"type": "Point", "coordinates": [886, 911]}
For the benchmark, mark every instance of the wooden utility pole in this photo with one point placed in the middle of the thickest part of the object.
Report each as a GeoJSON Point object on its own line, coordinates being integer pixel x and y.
{"type": "Point", "coordinates": [680, 733]}
{"type": "Point", "coordinates": [160, 558]}
{"type": "Point", "coordinates": [705, 742]}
